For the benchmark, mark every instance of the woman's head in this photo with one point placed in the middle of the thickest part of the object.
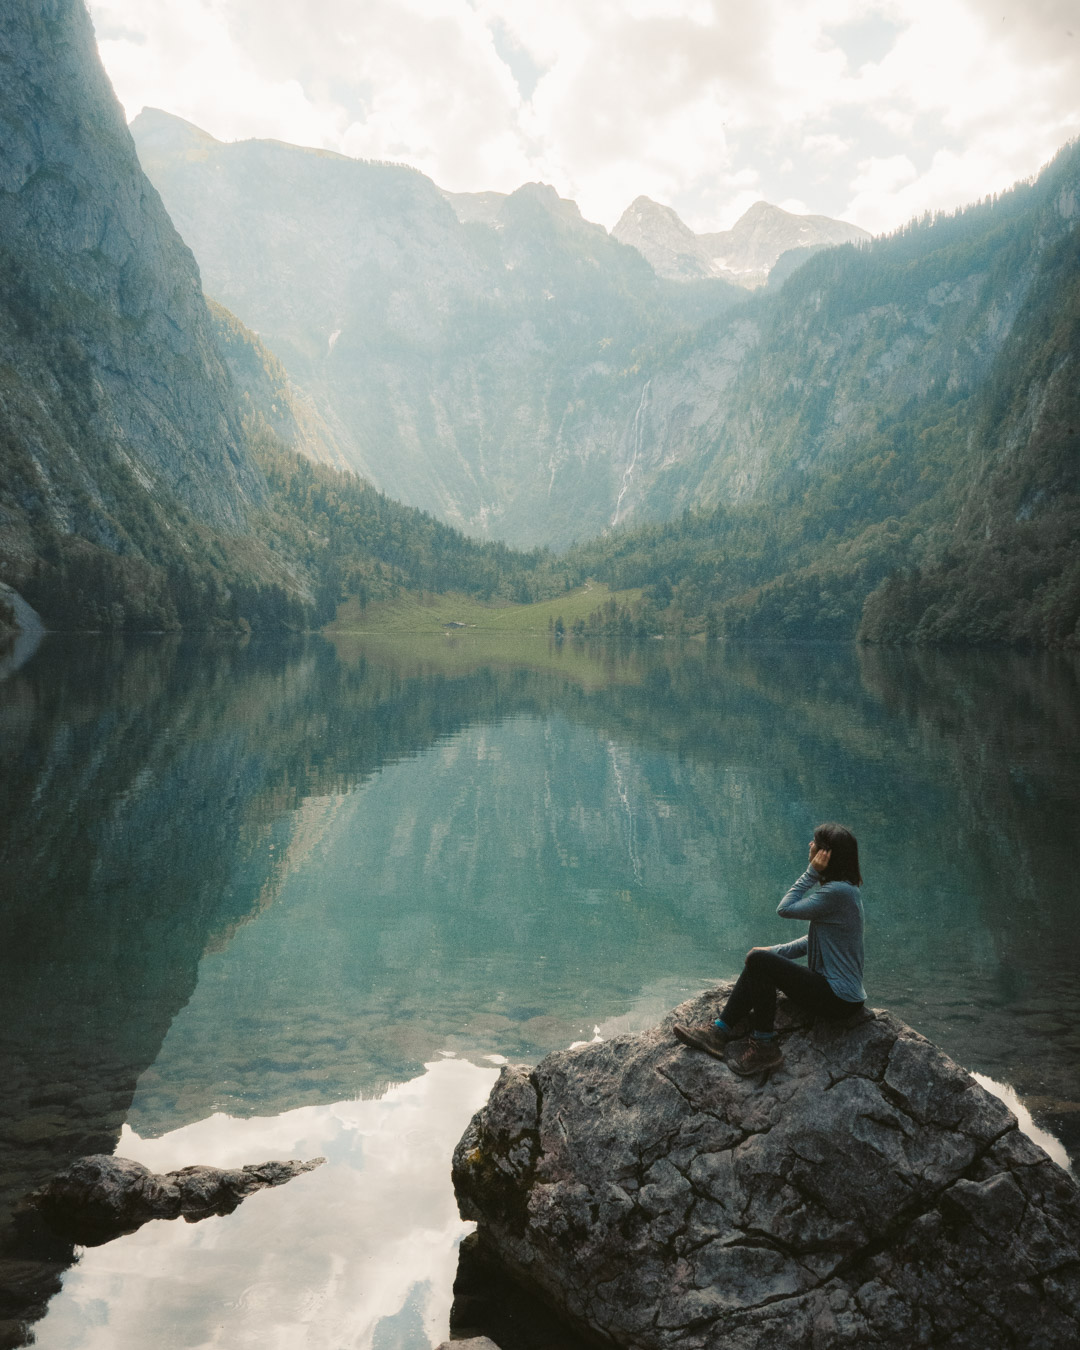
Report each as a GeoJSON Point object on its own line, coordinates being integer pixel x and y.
{"type": "Point", "coordinates": [844, 853]}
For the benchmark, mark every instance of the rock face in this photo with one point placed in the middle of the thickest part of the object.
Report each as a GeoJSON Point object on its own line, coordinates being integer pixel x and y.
{"type": "Point", "coordinates": [101, 1197]}
{"type": "Point", "coordinates": [96, 275]}
{"type": "Point", "coordinates": [266, 392]}
{"type": "Point", "coordinates": [871, 1193]}
{"type": "Point", "coordinates": [745, 254]}
{"type": "Point", "coordinates": [120, 418]}
{"type": "Point", "coordinates": [748, 251]}
{"type": "Point", "coordinates": [475, 354]}
{"type": "Point", "coordinates": [660, 235]}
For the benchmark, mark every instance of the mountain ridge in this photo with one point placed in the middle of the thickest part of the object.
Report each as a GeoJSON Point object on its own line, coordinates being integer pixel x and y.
{"type": "Point", "coordinates": [482, 370]}
{"type": "Point", "coordinates": [893, 420]}
{"type": "Point", "coordinates": [852, 400]}
{"type": "Point", "coordinates": [744, 254]}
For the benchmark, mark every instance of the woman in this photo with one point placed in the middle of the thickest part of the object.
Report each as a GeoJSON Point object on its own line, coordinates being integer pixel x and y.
{"type": "Point", "coordinates": [827, 894]}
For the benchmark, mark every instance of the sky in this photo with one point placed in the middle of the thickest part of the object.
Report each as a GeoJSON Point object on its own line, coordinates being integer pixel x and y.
{"type": "Point", "coordinates": [873, 111]}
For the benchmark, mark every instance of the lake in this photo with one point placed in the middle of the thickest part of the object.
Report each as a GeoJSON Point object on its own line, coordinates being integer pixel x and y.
{"type": "Point", "coordinates": [272, 900]}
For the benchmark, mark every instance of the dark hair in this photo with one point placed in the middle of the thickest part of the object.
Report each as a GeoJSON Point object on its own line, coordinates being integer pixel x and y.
{"type": "Point", "coordinates": [844, 847]}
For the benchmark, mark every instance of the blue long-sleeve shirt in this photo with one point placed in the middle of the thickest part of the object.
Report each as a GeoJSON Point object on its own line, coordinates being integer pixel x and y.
{"type": "Point", "coordinates": [833, 946]}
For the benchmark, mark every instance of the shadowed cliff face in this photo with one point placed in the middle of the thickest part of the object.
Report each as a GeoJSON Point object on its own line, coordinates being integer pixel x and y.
{"type": "Point", "coordinates": [120, 420]}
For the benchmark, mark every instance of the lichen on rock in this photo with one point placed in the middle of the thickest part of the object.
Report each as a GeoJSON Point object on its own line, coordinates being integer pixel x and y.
{"type": "Point", "coordinates": [871, 1193]}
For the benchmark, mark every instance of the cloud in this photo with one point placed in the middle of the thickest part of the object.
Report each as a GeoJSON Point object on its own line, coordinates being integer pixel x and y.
{"type": "Point", "coordinates": [328, 1260]}
{"type": "Point", "coordinates": [699, 103]}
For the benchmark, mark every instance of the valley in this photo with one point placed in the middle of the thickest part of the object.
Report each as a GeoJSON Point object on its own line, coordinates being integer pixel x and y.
{"type": "Point", "coordinates": [393, 388]}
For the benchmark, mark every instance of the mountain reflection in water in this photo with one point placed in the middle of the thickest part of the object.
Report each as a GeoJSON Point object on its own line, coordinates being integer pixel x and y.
{"type": "Point", "coordinates": [249, 880]}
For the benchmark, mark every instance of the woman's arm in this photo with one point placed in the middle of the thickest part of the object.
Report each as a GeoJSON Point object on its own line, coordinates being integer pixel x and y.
{"type": "Point", "coordinates": [798, 905]}
{"type": "Point", "coordinates": [792, 950]}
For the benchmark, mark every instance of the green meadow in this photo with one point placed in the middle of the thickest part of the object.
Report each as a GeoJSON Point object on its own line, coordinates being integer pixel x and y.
{"type": "Point", "coordinates": [411, 613]}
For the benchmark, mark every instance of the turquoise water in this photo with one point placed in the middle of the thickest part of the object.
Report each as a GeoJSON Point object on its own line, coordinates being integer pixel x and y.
{"type": "Point", "coordinates": [278, 901]}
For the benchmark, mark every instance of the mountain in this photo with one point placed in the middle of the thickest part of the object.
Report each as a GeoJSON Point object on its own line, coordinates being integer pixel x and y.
{"type": "Point", "coordinates": [269, 396]}
{"type": "Point", "coordinates": [671, 247]}
{"type": "Point", "coordinates": [122, 442]}
{"type": "Point", "coordinates": [763, 466]}
{"type": "Point", "coordinates": [146, 474]}
{"type": "Point", "coordinates": [744, 255]}
{"type": "Point", "coordinates": [893, 424]}
{"type": "Point", "coordinates": [476, 354]}
{"type": "Point", "coordinates": [898, 419]}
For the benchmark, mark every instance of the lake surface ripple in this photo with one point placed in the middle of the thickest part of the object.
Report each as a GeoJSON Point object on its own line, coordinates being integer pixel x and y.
{"type": "Point", "coordinates": [282, 900]}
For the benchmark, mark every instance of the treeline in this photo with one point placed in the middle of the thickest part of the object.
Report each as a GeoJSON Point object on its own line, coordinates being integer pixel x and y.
{"type": "Point", "coordinates": [735, 574]}
{"type": "Point", "coordinates": [952, 515]}
{"type": "Point", "coordinates": [744, 572]}
{"type": "Point", "coordinates": [1021, 588]}
{"type": "Point", "coordinates": [354, 540]}
{"type": "Point", "coordinates": [321, 535]}
{"type": "Point", "coordinates": [209, 582]}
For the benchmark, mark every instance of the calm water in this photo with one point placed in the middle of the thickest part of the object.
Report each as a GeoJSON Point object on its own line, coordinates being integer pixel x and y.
{"type": "Point", "coordinates": [265, 901]}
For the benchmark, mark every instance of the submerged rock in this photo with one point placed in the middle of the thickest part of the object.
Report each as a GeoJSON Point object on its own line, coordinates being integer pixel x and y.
{"type": "Point", "coordinates": [870, 1193]}
{"type": "Point", "coordinates": [101, 1197]}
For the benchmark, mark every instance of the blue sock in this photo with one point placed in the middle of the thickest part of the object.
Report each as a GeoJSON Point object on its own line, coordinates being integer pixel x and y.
{"type": "Point", "coordinates": [764, 1035]}
{"type": "Point", "coordinates": [721, 1024]}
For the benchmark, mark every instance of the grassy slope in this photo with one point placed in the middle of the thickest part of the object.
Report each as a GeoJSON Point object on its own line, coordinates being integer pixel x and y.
{"type": "Point", "coordinates": [413, 614]}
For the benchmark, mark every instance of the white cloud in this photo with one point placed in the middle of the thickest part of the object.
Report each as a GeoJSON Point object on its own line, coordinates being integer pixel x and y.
{"type": "Point", "coordinates": [672, 98]}
{"type": "Point", "coordinates": [182, 57]}
{"type": "Point", "coordinates": [319, 1263]}
{"type": "Point", "coordinates": [828, 146]}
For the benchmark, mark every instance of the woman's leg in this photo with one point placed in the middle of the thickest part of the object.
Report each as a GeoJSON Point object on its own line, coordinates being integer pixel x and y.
{"type": "Point", "coordinates": [754, 995]}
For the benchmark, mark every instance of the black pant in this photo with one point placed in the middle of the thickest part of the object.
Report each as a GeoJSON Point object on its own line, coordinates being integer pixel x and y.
{"type": "Point", "coordinates": [754, 995]}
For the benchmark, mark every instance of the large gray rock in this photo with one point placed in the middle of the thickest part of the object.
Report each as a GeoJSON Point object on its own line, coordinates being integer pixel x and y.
{"type": "Point", "coordinates": [870, 1193]}
{"type": "Point", "coordinates": [101, 1197]}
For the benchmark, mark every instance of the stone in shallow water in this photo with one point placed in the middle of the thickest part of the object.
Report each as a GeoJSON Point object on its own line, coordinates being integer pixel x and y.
{"type": "Point", "coordinates": [871, 1192]}
{"type": "Point", "coordinates": [101, 1197]}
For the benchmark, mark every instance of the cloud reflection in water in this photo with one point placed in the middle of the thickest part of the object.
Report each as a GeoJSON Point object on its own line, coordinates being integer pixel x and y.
{"type": "Point", "coordinates": [321, 1262]}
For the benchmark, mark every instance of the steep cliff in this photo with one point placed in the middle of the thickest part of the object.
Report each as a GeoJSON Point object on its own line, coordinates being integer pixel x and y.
{"type": "Point", "coordinates": [912, 403]}
{"type": "Point", "coordinates": [265, 391]}
{"type": "Point", "coordinates": [478, 356]}
{"type": "Point", "coordinates": [506, 365]}
{"type": "Point", "coordinates": [121, 435]}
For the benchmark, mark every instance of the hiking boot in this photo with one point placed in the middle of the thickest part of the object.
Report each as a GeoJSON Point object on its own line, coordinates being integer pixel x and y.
{"type": "Point", "coordinates": [755, 1056]}
{"type": "Point", "coordinates": [712, 1039]}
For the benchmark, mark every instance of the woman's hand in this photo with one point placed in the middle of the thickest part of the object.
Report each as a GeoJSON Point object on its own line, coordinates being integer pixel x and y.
{"type": "Point", "coordinates": [820, 860]}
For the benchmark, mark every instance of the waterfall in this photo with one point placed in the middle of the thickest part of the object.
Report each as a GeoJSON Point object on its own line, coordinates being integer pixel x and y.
{"type": "Point", "coordinates": [636, 432]}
